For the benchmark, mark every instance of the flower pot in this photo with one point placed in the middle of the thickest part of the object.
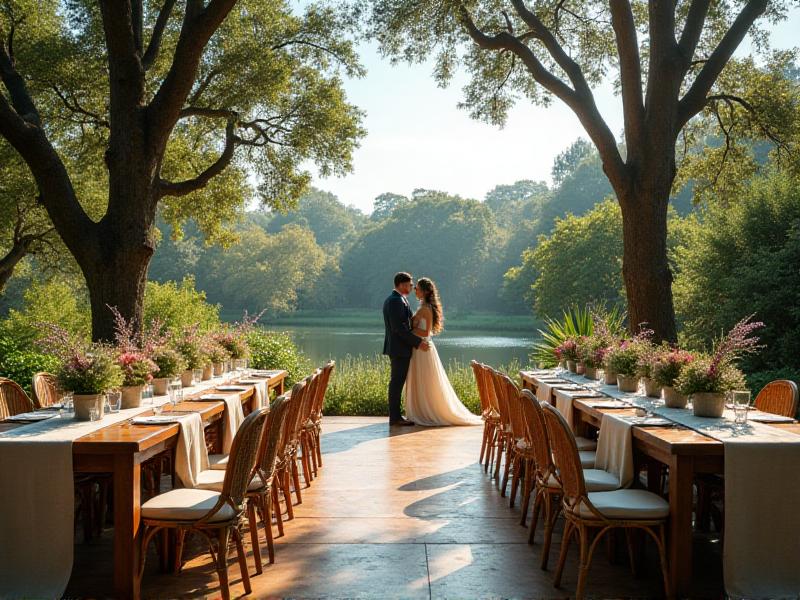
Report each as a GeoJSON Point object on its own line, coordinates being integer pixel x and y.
{"type": "Point", "coordinates": [131, 396]}
{"type": "Point", "coordinates": [609, 377]}
{"type": "Point", "coordinates": [673, 399]}
{"type": "Point", "coordinates": [572, 367]}
{"type": "Point", "coordinates": [651, 388]}
{"type": "Point", "coordinates": [708, 404]}
{"type": "Point", "coordinates": [590, 373]}
{"type": "Point", "coordinates": [84, 402]}
{"type": "Point", "coordinates": [160, 386]}
{"type": "Point", "coordinates": [562, 364]}
{"type": "Point", "coordinates": [186, 378]}
{"type": "Point", "coordinates": [580, 368]}
{"type": "Point", "coordinates": [208, 372]}
{"type": "Point", "coordinates": [627, 383]}
{"type": "Point", "coordinates": [219, 369]}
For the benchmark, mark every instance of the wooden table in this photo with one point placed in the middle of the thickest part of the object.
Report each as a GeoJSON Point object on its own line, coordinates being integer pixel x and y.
{"type": "Point", "coordinates": [120, 450]}
{"type": "Point", "coordinates": [685, 453]}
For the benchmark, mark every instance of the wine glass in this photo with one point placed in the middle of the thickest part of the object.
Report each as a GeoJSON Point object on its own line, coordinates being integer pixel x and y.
{"type": "Point", "coordinates": [175, 390]}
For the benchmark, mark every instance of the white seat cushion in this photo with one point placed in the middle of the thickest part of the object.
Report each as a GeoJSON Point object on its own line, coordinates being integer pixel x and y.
{"type": "Point", "coordinates": [185, 505]}
{"type": "Point", "coordinates": [587, 458]}
{"type": "Point", "coordinates": [596, 480]}
{"type": "Point", "coordinates": [218, 461]}
{"type": "Point", "coordinates": [585, 443]}
{"type": "Point", "coordinates": [626, 504]}
{"type": "Point", "coordinates": [211, 479]}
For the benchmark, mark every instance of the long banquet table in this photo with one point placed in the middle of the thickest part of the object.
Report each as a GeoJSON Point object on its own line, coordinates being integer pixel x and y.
{"type": "Point", "coordinates": [120, 449]}
{"type": "Point", "coordinates": [684, 451]}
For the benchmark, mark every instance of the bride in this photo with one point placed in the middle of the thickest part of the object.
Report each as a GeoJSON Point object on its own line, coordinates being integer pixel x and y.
{"type": "Point", "coordinates": [430, 399]}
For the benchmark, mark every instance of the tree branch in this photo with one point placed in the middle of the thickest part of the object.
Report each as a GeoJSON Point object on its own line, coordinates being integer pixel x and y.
{"type": "Point", "coordinates": [695, 99]}
{"type": "Point", "coordinates": [182, 188]}
{"type": "Point", "coordinates": [630, 71]}
{"type": "Point", "coordinates": [76, 108]}
{"type": "Point", "coordinates": [692, 30]}
{"type": "Point", "coordinates": [154, 46]}
{"type": "Point", "coordinates": [15, 84]}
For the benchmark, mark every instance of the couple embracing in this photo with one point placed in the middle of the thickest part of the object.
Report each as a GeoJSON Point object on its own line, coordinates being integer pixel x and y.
{"type": "Point", "coordinates": [430, 399]}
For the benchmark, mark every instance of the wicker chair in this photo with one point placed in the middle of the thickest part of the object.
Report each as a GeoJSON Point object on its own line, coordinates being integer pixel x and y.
{"type": "Point", "coordinates": [13, 399]}
{"type": "Point", "coordinates": [313, 428]}
{"type": "Point", "coordinates": [208, 512]}
{"type": "Point", "coordinates": [586, 512]}
{"type": "Point", "coordinates": [490, 417]}
{"type": "Point", "coordinates": [778, 397]}
{"type": "Point", "coordinates": [286, 467]}
{"type": "Point", "coordinates": [504, 436]}
{"type": "Point", "coordinates": [303, 442]}
{"type": "Point", "coordinates": [519, 449]}
{"type": "Point", "coordinates": [495, 442]}
{"type": "Point", "coordinates": [45, 390]}
{"type": "Point", "coordinates": [260, 491]}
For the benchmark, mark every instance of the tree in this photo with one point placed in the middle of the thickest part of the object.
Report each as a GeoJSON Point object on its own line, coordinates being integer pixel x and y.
{"type": "Point", "coordinates": [567, 161]}
{"type": "Point", "coordinates": [173, 105]}
{"type": "Point", "coordinates": [668, 57]}
{"type": "Point", "coordinates": [384, 205]}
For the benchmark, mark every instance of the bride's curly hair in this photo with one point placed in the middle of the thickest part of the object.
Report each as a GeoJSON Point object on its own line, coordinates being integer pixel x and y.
{"type": "Point", "coordinates": [431, 298]}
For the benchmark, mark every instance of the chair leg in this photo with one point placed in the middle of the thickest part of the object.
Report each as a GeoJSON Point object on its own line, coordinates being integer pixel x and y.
{"type": "Point", "coordinates": [180, 538]}
{"type": "Point", "coordinates": [319, 446]}
{"type": "Point", "coordinates": [267, 514]}
{"type": "Point", "coordinates": [312, 447]}
{"type": "Point", "coordinates": [484, 442]}
{"type": "Point", "coordinates": [549, 522]}
{"type": "Point", "coordinates": [276, 503]}
{"type": "Point", "coordinates": [569, 529]}
{"type": "Point", "coordinates": [304, 461]}
{"type": "Point", "coordinates": [253, 524]}
{"type": "Point", "coordinates": [631, 553]}
{"type": "Point", "coordinates": [287, 494]}
{"type": "Point", "coordinates": [518, 469]}
{"type": "Point", "coordinates": [537, 506]}
{"type": "Point", "coordinates": [583, 569]}
{"type": "Point", "coordinates": [510, 456]}
{"type": "Point", "coordinates": [237, 536]}
{"type": "Point", "coordinates": [526, 490]}
{"type": "Point", "coordinates": [296, 479]}
{"type": "Point", "coordinates": [222, 562]}
{"type": "Point", "coordinates": [499, 455]}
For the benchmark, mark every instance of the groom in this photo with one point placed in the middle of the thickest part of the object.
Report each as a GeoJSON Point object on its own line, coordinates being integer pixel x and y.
{"type": "Point", "coordinates": [399, 342]}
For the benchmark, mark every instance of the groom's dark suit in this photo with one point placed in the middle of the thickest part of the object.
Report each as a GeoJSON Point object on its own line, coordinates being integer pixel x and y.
{"type": "Point", "coordinates": [397, 345]}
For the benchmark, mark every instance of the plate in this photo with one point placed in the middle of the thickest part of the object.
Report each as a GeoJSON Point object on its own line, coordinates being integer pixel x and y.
{"type": "Point", "coordinates": [210, 398]}
{"type": "Point", "coordinates": [154, 420]}
{"type": "Point", "coordinates": [32, 416]}
{"type": "Point", "coordinates": [231, 388]}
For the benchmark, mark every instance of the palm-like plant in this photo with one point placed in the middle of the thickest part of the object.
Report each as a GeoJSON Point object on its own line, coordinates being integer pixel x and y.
{"type": "Point", "coordinates": [574, 323]}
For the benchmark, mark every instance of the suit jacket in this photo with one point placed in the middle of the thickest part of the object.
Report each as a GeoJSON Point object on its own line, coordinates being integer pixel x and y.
{"type": "Point", "coordinates": [399, 339]}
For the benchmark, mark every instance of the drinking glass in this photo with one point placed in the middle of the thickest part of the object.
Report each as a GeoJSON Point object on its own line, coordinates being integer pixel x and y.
{"type": "Point", "coordinates": [66, 401]}
{"type": "Point", "coordinates": [197, 374]}
{"type": "Point", "coordinates": [94, 414]}
{"type": "Point", "coordinates": [157, 408]}
{"type": "Point", "coordinates": [175, 392]}
{"type": "Point", "coordinates": [148, 394]}
{"type": "Point", "coordinates": [114, 400]}
{"type": "Point", "coordinates": [741, 404]}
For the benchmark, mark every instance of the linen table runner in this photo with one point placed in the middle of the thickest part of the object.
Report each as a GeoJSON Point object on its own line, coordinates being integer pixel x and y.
{"type": "Point", "coordinates": [615, 449]}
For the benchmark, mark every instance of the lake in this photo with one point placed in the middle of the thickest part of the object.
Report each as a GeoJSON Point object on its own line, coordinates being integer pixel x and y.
{"type": "Point", "coordinates": [321, 344]}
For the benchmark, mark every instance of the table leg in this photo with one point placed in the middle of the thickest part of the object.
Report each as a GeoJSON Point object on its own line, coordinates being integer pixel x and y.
{"type": "Point", "coordinates": [127, 501]}
{"type": "Point", "coordinates": [681, 476]}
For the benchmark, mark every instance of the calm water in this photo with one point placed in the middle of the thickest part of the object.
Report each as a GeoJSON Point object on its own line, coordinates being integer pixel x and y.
{"type": "Point", "coordinates": [320, 344]}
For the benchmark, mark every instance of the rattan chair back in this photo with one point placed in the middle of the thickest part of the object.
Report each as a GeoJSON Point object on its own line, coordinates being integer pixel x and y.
{"type": "Point", "coordinates": [488, 384]}
{"type": "Point", "coordinates": [480, 382]}
{"type": "Point", "coordinates": [45, 390]}
{"type": "Point", "coordinates": [295, 400]}
{"type": "Point", "coordinates": [243, 457]}
{"type": "Point", "coordinates": [13, 399]}
{"type": "Point", "coordinates": [778, 397]}
{"type": "Point", "coordinates": [319, 400]}
{"type": "Point", "coordinates": [309, 399]}
{"type": "Point", "coordinates": [515, 417]}
{"type": "Point", "coordinates": [271, 439]}
{"type": "Point", "coordinates": [498, 385]}
{"type": "Point", "coordinates": [534, 420]}
{"type": "Point", "coordinates": [565, 456]}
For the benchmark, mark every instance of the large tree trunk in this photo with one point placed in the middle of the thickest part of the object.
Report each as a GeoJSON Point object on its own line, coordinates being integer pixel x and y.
{"type": "Point", "coordinates": [645, 270]}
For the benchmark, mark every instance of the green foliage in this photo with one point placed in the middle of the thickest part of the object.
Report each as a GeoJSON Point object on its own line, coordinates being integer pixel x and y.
{"type": "Point", "coordinates": [740, 259]}
{"type": "Point", "coordinates": [758, 379]}
{"type": "Point", "coordinates": [179, 305]}
{"type": "Point", "coordinates": [20, 362]}
{"type": "Point", "coordinates": [575, 322]}
{"type": "Point", "coordinates": [277, 350]}
{"type": "Point", "coordinates": [170, 363]}
{"type": "Point", "coordinates": [697, 378]}
{"type": "Point", "coordinates": [623, 359]}
{"type": "Point", "coordinates": [92, 373]}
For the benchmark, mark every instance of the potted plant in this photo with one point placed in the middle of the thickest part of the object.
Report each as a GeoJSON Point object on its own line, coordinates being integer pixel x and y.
{"type": "Point", "coordinates": [623, 360]}
{"type": "Point", "coordinates": [137, 370]}
{"type": "Point", "coordinates": [569, 353]}
{"type": "Point", "coordinates": [190, 346]}
{"type": "Point", "coordinates": [707, 380]}
{"type": "Point", "coordinates": [218, 355]}
{"type": "Point", "coordinates": [170, 364]}
{"type": "Point", "coordinates": [234, 343]}
{"type": "Point", "coordinates": [88, 373]}
{"type": "Point", "coordinates": [665, 371]}
{"type": "Point", "coordinates": [648, 355]}
{"type": "Point", "coordinates": [592, 350]}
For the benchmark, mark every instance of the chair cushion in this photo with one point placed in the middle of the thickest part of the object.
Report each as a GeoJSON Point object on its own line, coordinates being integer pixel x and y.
{"type": "Point", "coordinates": [218, 461]}
{"type": "Point", "coordinates": [596, 480]}
{"type": "Point", "coordinates": [585, 443]}
{"type": "Point", "coordinates": [587, 458]}
{"type": "Point", "coordinates": [212, 479]}
{"type": "Point", "coordinates": [626, 504]}
{"type": "Point", "coordinates": [185, 505]}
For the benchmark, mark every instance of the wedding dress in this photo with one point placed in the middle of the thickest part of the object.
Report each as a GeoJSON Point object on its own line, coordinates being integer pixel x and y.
{"type": "Point", "coordinates": [430, 399]}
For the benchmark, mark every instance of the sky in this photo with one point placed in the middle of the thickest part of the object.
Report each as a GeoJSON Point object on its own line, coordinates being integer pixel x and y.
{"type": "Point", "coordinates": [419, 138]}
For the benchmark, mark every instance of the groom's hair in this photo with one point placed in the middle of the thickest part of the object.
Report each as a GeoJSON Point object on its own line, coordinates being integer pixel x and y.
{"type": "Point", "coordinates": [401, 277]}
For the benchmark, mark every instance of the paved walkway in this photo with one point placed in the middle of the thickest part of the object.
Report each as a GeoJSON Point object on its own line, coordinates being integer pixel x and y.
{"type": "Point", "coordinates": [405, 513]}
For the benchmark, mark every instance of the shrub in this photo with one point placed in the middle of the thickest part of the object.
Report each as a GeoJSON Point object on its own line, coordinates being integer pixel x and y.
{"type": "Point", "coordinates": [137, 369]}
{"type": "Point", "coordinates": [623, 359]}
{"type": "Point", "coordinates": [170, 362]}
{"type": "Point", "coordinates": [179, 305]}
{"type": "Point", "coordinates": [189, 345]}
{"type": "Point", "coordinates": [756, 381]}
{"type": "Point", "coordinates": [575, 322]}
{"type": "Point", "coordinates": [91, 372]}
{"type": "Point", "coordinates": [700, 376]}
{"type": "Point", "coordinates": [20, 364]}
{"type": "Point", "coordinates": [277, 350]}
{"type": "Point", "coordinates": [669, 365]}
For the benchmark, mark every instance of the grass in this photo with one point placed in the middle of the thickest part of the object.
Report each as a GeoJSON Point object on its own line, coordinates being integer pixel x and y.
{"type": "Point", "coordinates": [358, 386]}
{"type": "Point", "coordinates": [359, 318]}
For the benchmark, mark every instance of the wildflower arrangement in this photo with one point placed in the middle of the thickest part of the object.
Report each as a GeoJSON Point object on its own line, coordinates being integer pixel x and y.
{"type": "Point", "coordinates": [567, 350]}
{"type": "Point", "coordinates": [718, 373]}
{"type": "Point", "coordinates": [216, 352]}
{"type": "Point", "coordinates": [623, 359]}
{"type": "Point", "coordinates": [169, 361]}
{"type": "Point", "coordinates": [137, 368]}
{"type": "Point", "coordinates": [233, 342]}
{"type": "Point", "coordinates": [668, 366]}
{"type": "Point", "coordinates": [191, 348]}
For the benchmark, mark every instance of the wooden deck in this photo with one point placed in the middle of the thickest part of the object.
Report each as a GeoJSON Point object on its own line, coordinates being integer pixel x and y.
{"type": "Point", "coordinates": [405, 513]}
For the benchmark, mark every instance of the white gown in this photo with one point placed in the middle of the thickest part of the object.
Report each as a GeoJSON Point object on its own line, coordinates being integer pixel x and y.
{"type": "Point", "coordinates": [430, 399]}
